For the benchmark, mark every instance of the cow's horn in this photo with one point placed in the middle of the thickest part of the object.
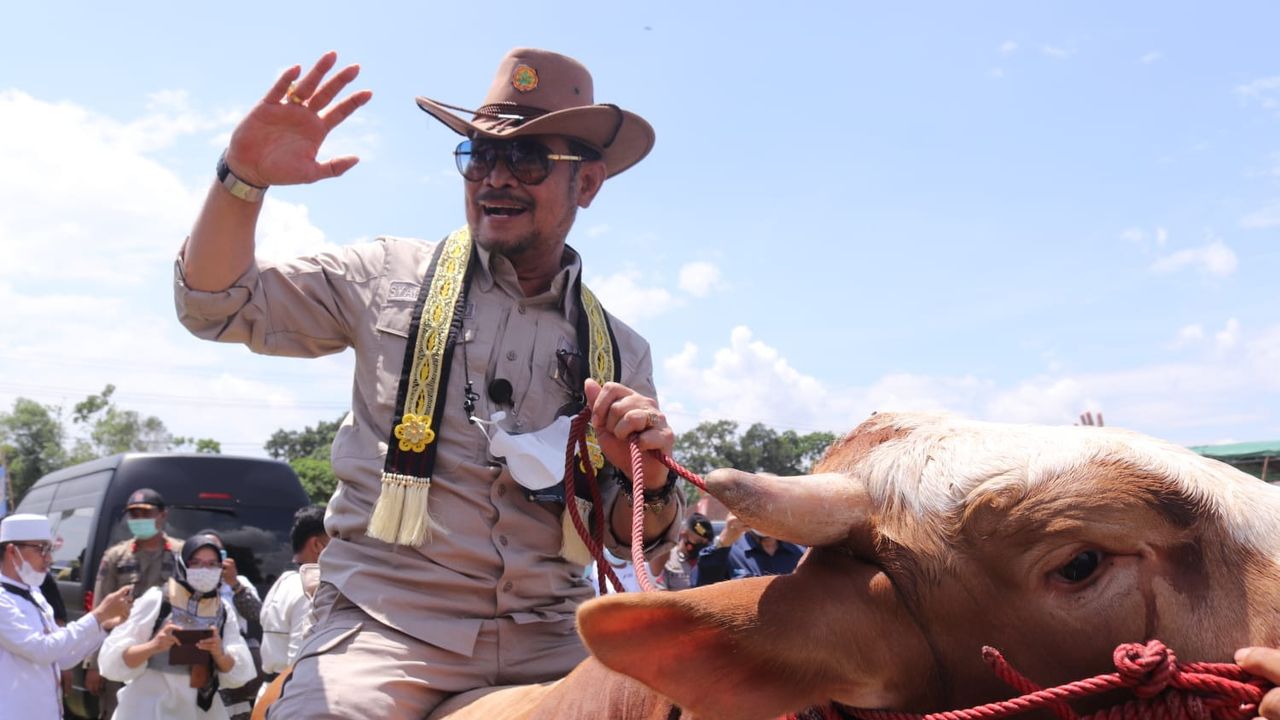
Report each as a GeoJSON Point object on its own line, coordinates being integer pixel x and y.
{"type": "Point", "coordinates": [805, 509]}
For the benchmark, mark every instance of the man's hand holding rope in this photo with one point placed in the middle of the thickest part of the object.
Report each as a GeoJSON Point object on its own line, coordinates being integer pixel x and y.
{"type": "Point", "coordinates": [618, 415]}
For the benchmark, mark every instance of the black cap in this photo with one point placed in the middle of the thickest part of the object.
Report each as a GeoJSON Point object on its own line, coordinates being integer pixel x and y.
{"type": "Point", "coordinates": [145, 497]}
{"type": "Point", "coordinates": [699, 525]}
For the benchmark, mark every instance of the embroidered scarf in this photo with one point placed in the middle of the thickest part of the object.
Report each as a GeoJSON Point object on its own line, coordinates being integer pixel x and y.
{"type": "Point", "coordinates": [192, 611]}
{"type": "Point", "coordinates": [401, 515]}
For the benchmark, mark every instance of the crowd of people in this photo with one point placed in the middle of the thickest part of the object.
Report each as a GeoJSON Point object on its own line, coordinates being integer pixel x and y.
{"type": "Point", "coordinates": [446, 559]}
{"type": "Point", "coordinates": [176, 631]}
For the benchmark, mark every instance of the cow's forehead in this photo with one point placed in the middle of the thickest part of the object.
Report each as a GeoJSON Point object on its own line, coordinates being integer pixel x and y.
{"type": "Point", "coordinates": [931, 464]}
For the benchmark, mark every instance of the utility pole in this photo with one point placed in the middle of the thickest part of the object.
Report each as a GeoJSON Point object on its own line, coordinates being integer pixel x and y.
{"type": "Point", "coordinates": [6, 492]}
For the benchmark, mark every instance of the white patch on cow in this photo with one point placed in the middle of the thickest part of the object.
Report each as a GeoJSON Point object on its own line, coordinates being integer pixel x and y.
{"type": "Point", "coordinates": [940, 461]}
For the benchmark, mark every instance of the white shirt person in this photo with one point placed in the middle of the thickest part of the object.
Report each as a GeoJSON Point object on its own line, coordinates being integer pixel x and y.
{"type": "Point", "coordinates": [33, 649]}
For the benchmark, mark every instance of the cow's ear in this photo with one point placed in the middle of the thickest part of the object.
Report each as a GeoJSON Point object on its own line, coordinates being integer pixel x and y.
{"type": "Point", "coordinates": [695, 648]}
{"type": "Point", "coordinates": [836, 629]}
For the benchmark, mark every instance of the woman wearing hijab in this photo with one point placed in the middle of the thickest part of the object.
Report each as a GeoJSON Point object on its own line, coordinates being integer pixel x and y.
{"type": "Point", "coordinates": [138, 651]}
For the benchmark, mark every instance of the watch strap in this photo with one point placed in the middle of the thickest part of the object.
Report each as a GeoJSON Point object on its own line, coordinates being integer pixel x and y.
{"type": "Point", "coordinates": [234, 185]}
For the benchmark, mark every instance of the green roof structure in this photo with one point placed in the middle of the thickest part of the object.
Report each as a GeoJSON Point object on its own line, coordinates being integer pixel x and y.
{"type": "Point", "coordinates": [1261, 459]}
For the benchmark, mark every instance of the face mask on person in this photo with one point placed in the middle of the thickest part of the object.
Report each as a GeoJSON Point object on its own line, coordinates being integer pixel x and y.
{"type": "Point", "coordinates": [536, 459]}
{"type": "Point", "coordinates": [28, 574]}
{"type": "Point", "coordinates": [203, 580]}
{"type": "Point", "coordinates": [143, 528]}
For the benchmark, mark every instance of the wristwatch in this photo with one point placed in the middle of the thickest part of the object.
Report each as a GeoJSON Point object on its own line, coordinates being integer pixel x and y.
{"type": "Point", "coordinates": [236, 186]}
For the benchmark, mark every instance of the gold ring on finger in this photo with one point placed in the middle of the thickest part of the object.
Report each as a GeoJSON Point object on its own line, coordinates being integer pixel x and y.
{"type": "Point", "coordinates": [293, 95]}
{"type": "Point", "coordinates": [651, 419]}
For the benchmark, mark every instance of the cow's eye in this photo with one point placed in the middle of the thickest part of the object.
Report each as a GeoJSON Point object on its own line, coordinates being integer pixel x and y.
{"type": "Point", "coordinates": [1081, 566]}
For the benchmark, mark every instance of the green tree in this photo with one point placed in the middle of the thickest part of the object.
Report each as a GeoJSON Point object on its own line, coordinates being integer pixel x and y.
{"type": "Point", "coordinates": [717, 443]}
{"type": "Point", "coordinates": [311, 442]}
{"type": "Point", "coordinates": [200, 445]}
{"type": "Point", "coordinates": [307, 452]}
{"type": "Point", "coordinates": [317, 477]}
{"type": "Point", "coordinates": [34, 438]}
{"type": "Point", "coordinates": [111, 430]}
{"type": "Point", "coordinates": [31, 438]}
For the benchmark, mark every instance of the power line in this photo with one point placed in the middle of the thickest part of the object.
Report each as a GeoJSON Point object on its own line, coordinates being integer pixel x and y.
{"type": "Point", "coordinates": [150, 397]}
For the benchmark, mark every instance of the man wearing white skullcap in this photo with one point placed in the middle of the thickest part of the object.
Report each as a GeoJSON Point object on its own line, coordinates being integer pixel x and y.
{"type": "Point", "coordinates": [33, 649]}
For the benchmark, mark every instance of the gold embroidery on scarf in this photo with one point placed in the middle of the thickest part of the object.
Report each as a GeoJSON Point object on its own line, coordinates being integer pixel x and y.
{"type": "Point", "coordinates": [414, 430]}
{"type": "Point", "coordinates": [600, 358]}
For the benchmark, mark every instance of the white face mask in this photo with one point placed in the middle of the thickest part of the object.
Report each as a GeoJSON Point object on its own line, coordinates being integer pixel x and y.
{"type": "Point", "coordinates": [536, 459]}
{"type": "Point", "coordinates": [203, 580]}
{"type": "Point", "coordinates": [28, 574]}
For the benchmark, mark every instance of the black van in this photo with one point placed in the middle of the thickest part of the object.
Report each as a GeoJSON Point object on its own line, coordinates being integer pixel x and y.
{"type": "Point", "coordinates": [249, 501]}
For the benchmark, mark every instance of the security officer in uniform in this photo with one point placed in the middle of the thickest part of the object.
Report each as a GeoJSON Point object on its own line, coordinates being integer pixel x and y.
{"type": "Point", "coordinates": [146, 561]}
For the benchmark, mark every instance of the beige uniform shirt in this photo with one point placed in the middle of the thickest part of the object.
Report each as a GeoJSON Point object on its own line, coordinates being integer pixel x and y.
{"type": "Point", "coordinates": [500, 553]}
{"type": "Point", "coordinates": [126, 564]}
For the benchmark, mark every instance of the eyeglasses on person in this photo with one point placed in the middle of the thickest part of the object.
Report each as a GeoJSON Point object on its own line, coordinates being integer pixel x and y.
{"type": "Point", "coordinates": [45, 549]}
{"type": "Point", "coordinates": [529, 161]}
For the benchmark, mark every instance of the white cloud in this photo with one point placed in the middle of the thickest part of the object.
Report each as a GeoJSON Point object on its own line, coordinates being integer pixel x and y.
{"type": "Point", "coordinates": [1056, 52]}
{"type": "Point", "coordinates": [1139, 237]}
{"type": "Point", "coordinates": [1267, 217]}
{"type": "Point", "coordinates": [83, 202]}
{"type": "Point", "coordinates": [1188, 335]}
{"type": "Point", "coordinates": [1151, 57]}
{"type": "Point", "coordinates": [1215, 258]}
{"type": "Point", "coordinates": [1194, 401]}
{"type": "Point", "coordinates": [1264, 91]}
{"type": "Point", "coordinates": [1007, 47]}
{"type": "Point", "coordinates": [596, 231]}
{"type": "Point", "coordinates": [749, 382]}
{"type": "Point", "coordinates": [700, 279]}
{"type": "Point", "coordinates": [285, 231]}
{"type": "Point", "coordinates": [1227, 338]}
{"type": "Point", "coordinates": [996, 72]}
{"type": "Point", "coordinates": [1134, 235]}
{"type": "Point", "coordinates": [624, 295]}
{"type": "Point", "coordinates": [88, 233]}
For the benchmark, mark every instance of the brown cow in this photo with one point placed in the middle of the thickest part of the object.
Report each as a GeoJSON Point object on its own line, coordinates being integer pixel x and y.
{"type": "Point", "coordinates": [933, 536]}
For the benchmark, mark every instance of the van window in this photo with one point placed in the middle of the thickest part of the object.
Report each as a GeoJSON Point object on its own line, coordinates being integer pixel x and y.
{"type": "Point", "coordinates": [71, 538]}
{"type": "Point", "coordinates": [36, 500]}
{"type": "Point", "coordinates": [256, 537]}
{"type": "Point", "coordinates": [74, 506]}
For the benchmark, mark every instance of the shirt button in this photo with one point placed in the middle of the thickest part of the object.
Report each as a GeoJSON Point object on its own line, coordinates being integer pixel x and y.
{"type": "Point", "coordinates": [502, 539]}
{"type": "Point", "coordinates": [521, 309]}
{"type": "Point", "coordinates": [507, 587]}
{"type": "Point", "coordinates": [511, 354]}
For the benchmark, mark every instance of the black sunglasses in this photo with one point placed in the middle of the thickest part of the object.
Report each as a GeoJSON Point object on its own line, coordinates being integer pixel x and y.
{"type": "Point", "coordinates": [528, 160]}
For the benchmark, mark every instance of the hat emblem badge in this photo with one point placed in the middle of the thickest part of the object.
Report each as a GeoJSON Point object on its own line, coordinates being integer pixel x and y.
{"type": "Point", "coordinates": [524, 78]}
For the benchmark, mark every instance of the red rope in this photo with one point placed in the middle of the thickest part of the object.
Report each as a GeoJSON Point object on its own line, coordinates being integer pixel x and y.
{"type": "Point", "coordinates": [595, 541]}
{"type": "Point", "coordinates": [1195, 691]}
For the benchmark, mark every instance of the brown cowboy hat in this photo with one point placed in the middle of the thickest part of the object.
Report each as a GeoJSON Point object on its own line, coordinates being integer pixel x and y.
{"type": "Point", "coordinates": [538, 92]}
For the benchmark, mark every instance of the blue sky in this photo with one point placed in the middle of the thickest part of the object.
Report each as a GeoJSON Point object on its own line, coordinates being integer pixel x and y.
{"type": "Point", "coordinates": [1016, 211]}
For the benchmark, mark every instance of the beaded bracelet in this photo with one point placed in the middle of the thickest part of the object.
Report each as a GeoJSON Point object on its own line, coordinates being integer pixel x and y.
{"type": "Point", "coordinates": [654, 500]}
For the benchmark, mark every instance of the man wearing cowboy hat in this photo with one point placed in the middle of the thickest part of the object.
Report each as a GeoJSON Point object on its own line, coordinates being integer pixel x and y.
{"type": "Point", "coordinates": [33, 649]}
{"type": "Point", "coordinates": [453, 564]}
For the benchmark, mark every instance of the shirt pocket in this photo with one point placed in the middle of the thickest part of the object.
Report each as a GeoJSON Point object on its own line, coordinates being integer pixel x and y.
{"type": "Point", "coordinates": [393, 324]}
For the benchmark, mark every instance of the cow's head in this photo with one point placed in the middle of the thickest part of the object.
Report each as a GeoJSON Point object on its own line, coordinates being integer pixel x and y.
{"type": "Point", "coordinates": [932, 536]}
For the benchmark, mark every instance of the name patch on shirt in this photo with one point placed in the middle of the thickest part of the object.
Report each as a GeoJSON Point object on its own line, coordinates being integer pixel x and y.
{"type": "Point", "coordinates": [403, 291]}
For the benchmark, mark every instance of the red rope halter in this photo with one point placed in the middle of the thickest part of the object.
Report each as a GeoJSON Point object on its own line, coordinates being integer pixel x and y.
{"type": "Point", "coordinates": [595, 540]}
{"type": "Point", "coordinates": [1165, 690]}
